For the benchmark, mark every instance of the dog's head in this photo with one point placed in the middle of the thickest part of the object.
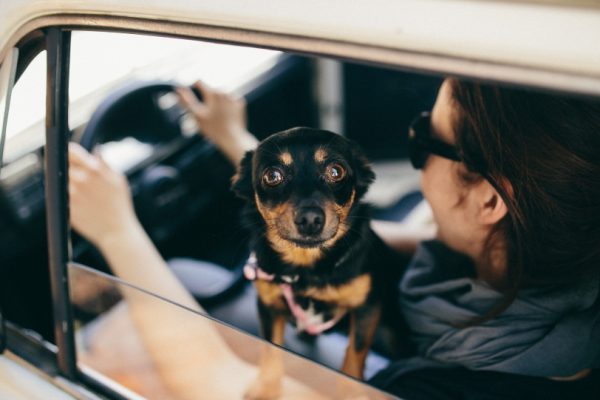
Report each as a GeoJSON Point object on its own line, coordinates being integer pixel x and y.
{"type": "Point", "coordinates": [305, 183]}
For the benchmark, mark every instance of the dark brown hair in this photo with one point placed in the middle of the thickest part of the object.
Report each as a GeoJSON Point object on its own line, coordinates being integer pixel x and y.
{"type": "Point", "coordinates": [542, 154]}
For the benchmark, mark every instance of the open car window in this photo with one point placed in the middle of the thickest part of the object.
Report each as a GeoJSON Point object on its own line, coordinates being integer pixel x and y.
{"type": "Point", "coordinates": [124, 106]}
{"type": "Point", "coordinates": [100, 303]}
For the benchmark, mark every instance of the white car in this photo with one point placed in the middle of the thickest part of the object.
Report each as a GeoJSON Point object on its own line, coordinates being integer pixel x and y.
{"type": "Point", "coordinates": [102, 72]}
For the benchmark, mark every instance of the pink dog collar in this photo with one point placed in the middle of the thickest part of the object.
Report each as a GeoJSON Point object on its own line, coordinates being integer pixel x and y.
{"type": "Point", "coordinates": [253, 272]}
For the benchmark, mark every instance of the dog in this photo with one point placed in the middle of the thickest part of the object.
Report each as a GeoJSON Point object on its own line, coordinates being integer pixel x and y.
{"type": "Point", "coordinates": [315, 258]}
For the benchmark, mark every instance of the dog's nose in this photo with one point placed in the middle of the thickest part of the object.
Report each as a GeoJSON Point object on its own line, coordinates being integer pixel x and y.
{"type": "Point", "coordinates": [309, 220]}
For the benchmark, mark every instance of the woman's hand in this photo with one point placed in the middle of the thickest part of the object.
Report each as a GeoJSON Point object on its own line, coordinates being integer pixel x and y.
{"type": "Point", "coordinates": [221, 118]}
{"type": "Point", "coordinates": [100, 201]}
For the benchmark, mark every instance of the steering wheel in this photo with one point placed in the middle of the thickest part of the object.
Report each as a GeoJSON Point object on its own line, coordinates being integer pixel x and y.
{"type": "Point", "coordinates": [150, 113]}
{"type": "Point", "coordinates": [125, 112]}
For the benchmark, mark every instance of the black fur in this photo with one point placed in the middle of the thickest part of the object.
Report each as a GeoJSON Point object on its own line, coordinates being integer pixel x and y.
{"type": "Point", "coordinates": [359, 251]}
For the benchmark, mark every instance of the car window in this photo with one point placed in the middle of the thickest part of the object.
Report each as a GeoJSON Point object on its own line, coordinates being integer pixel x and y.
{"type": "Point", "coordinates": [25, 124]}
{"type": "Point", "coordinates": [124, 107]}
{"type": "Point", "coordinates": [22, 205]}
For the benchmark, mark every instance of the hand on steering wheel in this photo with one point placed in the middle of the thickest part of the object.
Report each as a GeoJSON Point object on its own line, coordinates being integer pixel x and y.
{"type": "Point", "coordinates": [221, 118]}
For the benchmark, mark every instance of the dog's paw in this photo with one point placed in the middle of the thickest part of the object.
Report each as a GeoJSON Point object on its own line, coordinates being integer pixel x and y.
{"type": "Point", "coordinates": [263, 390]}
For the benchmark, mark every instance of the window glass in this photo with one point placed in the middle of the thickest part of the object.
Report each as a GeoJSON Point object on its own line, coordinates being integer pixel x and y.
{"type": "Point", "coordinates": [127, 335]}
{"type": "Point", "coordinates": [24, 287]}
{"type": "Point", "coordinates": [25, 129]}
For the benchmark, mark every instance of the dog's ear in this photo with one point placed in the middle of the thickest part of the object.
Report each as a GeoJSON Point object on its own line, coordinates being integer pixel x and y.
{"type": "Point", "coordinates": [241, 183]}
{"type": "Point", "coordinates": [362, 167]}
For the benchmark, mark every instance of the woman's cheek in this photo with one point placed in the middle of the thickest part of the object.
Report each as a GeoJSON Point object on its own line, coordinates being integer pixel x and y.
{"type": "Point", "coordinates": [425, 185]}
{"type": "Point", "coordinates": [437, 188]}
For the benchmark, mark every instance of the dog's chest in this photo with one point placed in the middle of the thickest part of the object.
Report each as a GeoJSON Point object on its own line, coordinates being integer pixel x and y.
{"type": "Point", "coordinates": [313, 316]}
{"type": "Point", "coordinates": [317, 308]}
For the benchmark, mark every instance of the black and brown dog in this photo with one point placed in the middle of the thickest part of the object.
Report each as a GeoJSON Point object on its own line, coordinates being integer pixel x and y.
{"type": "Point", "coordinates": [316, 258]}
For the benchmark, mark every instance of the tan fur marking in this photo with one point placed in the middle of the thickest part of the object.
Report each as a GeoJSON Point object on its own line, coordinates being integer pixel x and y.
{"type": "Point", "coordinates": [351, 294]}
{"type": "Point", "coordinates": [270, 293]}
{"type": "Point", "coordinates": [342, 211]}
{"type": "Point", "coordinates": [354, 361]}
{"type": "Point", "coordinates": [320, 155]}
{"type": "Point", "coordinates": [342, 214]}
{"type": "Point", "coordinates": [278, 329]}
{"type": "Point", "coordinates": [268, 214]}
{"type": "Point", "coordinates": [286, 158]}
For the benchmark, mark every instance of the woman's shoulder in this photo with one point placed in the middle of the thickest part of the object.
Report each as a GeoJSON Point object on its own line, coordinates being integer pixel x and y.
{"type": "Point", "coordinates": [462, 383]}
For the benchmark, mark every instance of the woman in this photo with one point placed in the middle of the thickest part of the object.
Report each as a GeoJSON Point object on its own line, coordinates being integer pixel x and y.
{"type": "Point", "coordinates": [511, 283]}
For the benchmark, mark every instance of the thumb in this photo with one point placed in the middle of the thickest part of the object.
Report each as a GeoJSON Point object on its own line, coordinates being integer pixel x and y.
{"type": "Point", "coordinates": [191, 102]}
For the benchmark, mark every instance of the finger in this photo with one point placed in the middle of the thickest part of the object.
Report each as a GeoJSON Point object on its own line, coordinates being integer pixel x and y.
{"type": "Point", "coordinates": [76, 199]}
{"type": "Point", "coordinates": [190, 101]}
{"type": "Point", "coordinates": [80, 158]}
{"type": "Point", "coordinates": [77, 175]}
{"type": "Point", "coordinates": [73, 192]}
{"type": "Point", "coordinates": [100, 159]}
{"type": "Point", "coordinates": [206, 91]}
{"type": "Point", "coordinates": [240, 100]}
{"type": "Point", "coordinates": [78, 155]}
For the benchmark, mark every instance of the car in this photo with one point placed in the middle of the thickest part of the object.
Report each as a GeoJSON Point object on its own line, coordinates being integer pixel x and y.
{"type": "Point", "coordinates": [109, 71]}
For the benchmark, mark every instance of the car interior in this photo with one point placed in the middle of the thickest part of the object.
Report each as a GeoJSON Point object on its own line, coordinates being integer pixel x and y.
{"type": "Point", "coordinates": [180, 182]}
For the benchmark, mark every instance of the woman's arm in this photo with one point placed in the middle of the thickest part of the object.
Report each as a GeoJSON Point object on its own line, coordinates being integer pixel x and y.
{"type": "Point", "coordinates": [102, 211]}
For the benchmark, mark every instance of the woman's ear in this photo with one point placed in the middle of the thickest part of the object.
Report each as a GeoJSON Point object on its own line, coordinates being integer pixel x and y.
{"type": "Point", "coordinates": [492, 207]}
{"type": "Point", "coordinates": [241, 183]}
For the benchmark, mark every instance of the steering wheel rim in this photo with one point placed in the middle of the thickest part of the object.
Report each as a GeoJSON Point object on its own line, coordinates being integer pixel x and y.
{"type": "Point", "coordinates": [95, 133]}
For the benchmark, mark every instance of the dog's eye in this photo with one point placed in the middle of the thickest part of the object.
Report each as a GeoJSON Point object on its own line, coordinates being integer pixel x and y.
{"type": "Point", "coordinates": [272, 177]}
{"type": "Point", "coordinates": [335, 172]}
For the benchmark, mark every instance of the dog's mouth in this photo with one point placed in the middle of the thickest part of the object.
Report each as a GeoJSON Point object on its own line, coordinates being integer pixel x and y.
{"type": "Point", "coordinates": [285, 229]}
{"type": "Point", "coordinates": [307, 242]}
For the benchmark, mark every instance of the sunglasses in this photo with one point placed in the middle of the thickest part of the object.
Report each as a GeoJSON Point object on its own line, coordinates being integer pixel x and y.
{"type": "Point", "coordinates": [421, 143]}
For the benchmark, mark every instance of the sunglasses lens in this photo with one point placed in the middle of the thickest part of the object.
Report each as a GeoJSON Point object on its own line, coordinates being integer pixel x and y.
{"type": "Point", "coordinates": [417, 150]}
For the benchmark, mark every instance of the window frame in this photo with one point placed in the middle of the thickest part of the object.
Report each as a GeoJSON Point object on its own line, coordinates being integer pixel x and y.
{"type": "Point", "coordinates": [8, 71]}
{"type": "Point", "coordinates": [56, 192]}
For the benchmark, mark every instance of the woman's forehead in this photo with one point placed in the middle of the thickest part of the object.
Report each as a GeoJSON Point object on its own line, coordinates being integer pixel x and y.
{"type": "Point", "coordinates": [443, 114]}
